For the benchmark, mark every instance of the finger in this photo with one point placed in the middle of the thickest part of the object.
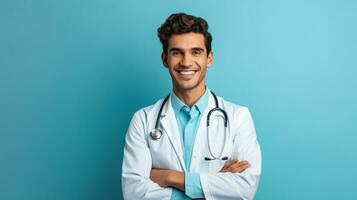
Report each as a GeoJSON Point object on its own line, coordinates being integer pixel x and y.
{"type": "Point", "coordinates": [229, 163]}
{"type": "Point", "coordinates": [237, 167]}
{"type": "Point", "coordinates": [241, 168]}
{"type": "Point", "coordinates": [234, 165]}
{"type": "Point", "coordinates": [226, 164]}
{"type": "Point", "coordinates": [244, 162]}
{"type": "Point", "coordinates": [232, 162]}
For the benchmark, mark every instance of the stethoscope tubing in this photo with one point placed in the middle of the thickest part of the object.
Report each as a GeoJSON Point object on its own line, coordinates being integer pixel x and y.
{"type": "Point", "coordinates": [156, 130]}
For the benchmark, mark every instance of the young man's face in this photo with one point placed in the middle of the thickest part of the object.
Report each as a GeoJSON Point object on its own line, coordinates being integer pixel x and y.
{"type": "Point", "coordinates": [187, 60]}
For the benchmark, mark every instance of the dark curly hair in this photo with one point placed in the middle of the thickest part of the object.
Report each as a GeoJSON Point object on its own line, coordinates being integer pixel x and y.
{"type": "Point", "coordinates": [179, 23]}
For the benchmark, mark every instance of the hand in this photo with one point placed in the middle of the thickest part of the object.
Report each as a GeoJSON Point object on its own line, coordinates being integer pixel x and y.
{"type": "Point", "coordinates": [168, 178]}
{"type": "Point", "coordinates": [235, 166]}
{"type": "Point", "coordinates": [160, 176]}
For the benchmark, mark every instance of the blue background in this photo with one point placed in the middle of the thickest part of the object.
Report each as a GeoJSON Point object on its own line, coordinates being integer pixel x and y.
{"type": "Point", "coordinates": [73, 72]}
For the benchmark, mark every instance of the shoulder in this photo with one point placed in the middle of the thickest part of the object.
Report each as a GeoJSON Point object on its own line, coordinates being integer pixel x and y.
{"type": "Point", "coordinates": [148, 111]}
{"type": "Point", "coordinates": [143, 116]}
{"type": "Point", "coordinates": [151, 108]}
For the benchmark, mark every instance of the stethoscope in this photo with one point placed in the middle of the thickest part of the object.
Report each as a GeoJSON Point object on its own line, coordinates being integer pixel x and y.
{"type": "Point", "coordinates": [156, 133]}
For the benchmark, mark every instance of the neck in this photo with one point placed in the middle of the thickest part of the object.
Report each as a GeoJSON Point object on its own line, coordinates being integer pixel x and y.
{"type": "Point", "coordinates": [191, 96]}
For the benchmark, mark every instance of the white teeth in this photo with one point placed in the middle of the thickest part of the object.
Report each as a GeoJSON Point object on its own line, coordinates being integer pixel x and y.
{"type": "Point", "coordinates": [187, 72]}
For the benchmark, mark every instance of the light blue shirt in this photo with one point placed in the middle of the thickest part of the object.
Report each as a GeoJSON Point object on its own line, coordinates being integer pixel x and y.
{"type": "Point", "coordinates": [188, 121]}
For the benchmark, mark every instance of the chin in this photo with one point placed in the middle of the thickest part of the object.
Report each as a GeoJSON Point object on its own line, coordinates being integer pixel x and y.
{"type": "Point", "coordinates": [187, 86]}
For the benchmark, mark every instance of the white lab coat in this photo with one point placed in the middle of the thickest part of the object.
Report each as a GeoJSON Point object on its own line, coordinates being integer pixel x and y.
{"type": "Point", "coordinates": [141, 153]}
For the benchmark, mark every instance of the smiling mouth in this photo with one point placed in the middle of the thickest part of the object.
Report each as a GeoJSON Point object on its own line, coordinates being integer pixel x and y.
{"type": "Point", "coordinates": [186, 74]}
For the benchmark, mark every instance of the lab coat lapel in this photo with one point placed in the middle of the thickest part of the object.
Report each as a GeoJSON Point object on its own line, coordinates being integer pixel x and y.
{"type": "Point", "coordinates": [169, 124]}
{"type": "Point", "coordinates": [201, 136]}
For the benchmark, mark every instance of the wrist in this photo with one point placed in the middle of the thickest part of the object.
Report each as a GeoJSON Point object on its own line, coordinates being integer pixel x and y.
{"type": "Point", "coordinates": [176, 179]}
{"type": "Point", "coordinates": [170, 178]}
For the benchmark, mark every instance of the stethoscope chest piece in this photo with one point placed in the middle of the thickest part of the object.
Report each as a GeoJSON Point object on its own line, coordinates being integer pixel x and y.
{"type": "Point", "coordinates": [155, 134]}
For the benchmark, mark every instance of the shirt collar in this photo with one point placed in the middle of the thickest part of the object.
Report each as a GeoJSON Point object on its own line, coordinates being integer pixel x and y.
{"type": "Point", "coordinates": [201, 104]}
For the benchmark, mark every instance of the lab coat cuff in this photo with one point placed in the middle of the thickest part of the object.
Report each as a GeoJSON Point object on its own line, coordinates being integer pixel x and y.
{"type": "Point", "coordinates": [193, 186]}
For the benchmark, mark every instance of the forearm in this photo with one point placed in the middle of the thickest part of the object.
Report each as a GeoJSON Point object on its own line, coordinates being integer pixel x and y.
{"type": "Point", "coordinates": [168, 178]}
{"type": "Point", "coordinates": [189, 183]}
{"type": "Point", "coordinates": [177, 180]}
{"type": "Point", "coordinates": [137, 187]}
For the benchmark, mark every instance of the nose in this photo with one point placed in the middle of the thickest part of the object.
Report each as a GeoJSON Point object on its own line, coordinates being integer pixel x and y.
{"type": "Point", "coordinates": [186, 60]}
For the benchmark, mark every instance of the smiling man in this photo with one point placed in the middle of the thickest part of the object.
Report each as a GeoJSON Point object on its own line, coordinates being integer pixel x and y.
{"type": "Point", "coordinates": [192, 144]}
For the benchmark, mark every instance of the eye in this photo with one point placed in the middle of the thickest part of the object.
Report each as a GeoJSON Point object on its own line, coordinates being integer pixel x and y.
{"type": "Point", "coordinates": [175, 53]}
{"type": "Point", "coordinates": [196, 52]}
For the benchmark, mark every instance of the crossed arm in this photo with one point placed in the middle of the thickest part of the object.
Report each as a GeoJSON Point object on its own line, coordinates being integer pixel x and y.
{"type": "Point", "coordinates": [173, 178]}
{"type": "Point", "coordinates": [140, 181]}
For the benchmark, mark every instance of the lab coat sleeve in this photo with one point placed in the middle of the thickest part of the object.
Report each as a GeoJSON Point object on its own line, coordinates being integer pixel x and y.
{"type": "Point", "coordinates": [136, 183]}
{"type": "Point", "coordinates": [237, 185]}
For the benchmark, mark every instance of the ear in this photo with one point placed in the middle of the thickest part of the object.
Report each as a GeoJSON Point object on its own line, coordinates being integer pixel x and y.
{"type": "Point", "coordinates": [210, 59]}
{"type": "Point", "coordinates": [164, 59]}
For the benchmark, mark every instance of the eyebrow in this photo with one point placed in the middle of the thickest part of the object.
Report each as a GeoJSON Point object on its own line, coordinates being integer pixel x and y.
{"type": "Point", "coordinates": [175, 49]}
{"type": "Point", "coordinates": [178, 49]}
{"type": "Point", "coordinates": [198, 49]}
